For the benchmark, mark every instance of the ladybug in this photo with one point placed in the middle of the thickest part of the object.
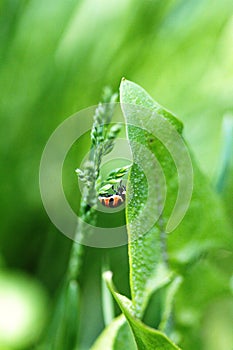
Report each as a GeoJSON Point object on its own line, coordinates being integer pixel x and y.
{"type": "Point", "coordinates": [114, 200]}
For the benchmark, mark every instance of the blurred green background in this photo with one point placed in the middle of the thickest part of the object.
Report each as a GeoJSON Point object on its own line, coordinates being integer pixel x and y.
{"type": "Point", "coordinates": [55, 59]}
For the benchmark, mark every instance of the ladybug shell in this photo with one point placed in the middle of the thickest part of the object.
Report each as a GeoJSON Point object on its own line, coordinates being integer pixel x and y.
{"type": "Point", "coordinates": [112, 201]}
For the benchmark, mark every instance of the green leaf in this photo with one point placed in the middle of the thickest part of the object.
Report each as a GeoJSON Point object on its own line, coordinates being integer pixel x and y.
{"type": "Point", "coordinates": [107, 300]}
{"type": "Point", "coordinates": [164, 176]}
{"type": "Point", "coordinates": [115, 181]}
{"type": "Point", "coordinates": [170, 293]}
{"type": "Point", "coordinates": [114, 177]}
{"type": "Point", "coordinates": [147, 248]}
{"type": "Point", "coordinates": [146, 338]}
{"type": "Point", "coordinates": [119, 172]}
{"type": "Point", "coordinates": [105, 188]}
{"type": "Point", "coordinates": [131, 93]}
{"type": "Point", "coordinates": [116, 336]}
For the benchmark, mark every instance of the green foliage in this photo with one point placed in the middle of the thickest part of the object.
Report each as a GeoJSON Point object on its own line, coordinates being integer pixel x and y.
{"type": "Point", "coordinates": [154, 256]}
{"type": "Point", "coordinates": [209, 229]}
{"type": "Point", "coordinates": [103, 137]}
{"type": "Point", "coordinates": [102, 118]}
{"type": "Point", "coordinates": [56, 57]}
{"type": "Point", "coordinates": [148, 268]}
{"type": "Point", "coordinates": [145, 337]}
{"type": "Point", "coordinates": [116, 336]}
{"type": "Point", "coordinates": [145, 260]}
{"type": "Point", "coordinates": [114, 177]}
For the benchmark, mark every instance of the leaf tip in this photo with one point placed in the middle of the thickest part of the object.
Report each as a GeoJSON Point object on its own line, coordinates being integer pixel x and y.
{"type": "Point", "coordinates": [107, 275]}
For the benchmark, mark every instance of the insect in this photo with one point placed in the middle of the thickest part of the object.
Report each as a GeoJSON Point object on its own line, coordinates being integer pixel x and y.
{"type": "Point", "coordinates": [114, 200]}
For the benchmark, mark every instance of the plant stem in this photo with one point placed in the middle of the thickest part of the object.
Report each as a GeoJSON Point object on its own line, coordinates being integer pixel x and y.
{"type": "Point", "coordinates": [99, 135]}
